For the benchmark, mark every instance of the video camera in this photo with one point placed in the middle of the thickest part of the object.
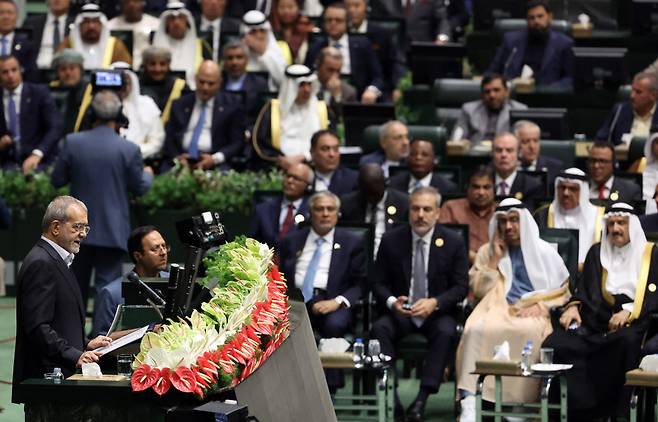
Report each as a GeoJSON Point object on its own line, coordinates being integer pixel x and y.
{"type": "Point", "coordinates": [107, 79]}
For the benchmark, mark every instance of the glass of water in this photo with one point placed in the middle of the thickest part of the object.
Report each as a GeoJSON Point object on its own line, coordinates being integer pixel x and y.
{"type": "Point", "coordinates": [124, 365]}
{"type": "Point", "coordinates": [374, 350]}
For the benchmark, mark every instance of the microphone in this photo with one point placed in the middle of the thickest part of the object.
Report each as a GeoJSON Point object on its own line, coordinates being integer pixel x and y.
{"type": "Point", "coordinates": [509, 60]}
{"type": "Point", "coordinates": [614, 123]}
{"type": "Point", "coordinates": [151, 296]}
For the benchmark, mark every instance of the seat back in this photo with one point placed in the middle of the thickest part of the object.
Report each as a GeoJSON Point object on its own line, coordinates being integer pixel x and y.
{"type": "Point", "coordinates": [636, 149]}
{"type": "Point", "coordinates": [564, 151]}
{"type": "Point", "coordinates": [502, 26]}
{"type": "Point", "coordinates": [567, 246]}
{"type": "Point", "coordinates": [452, 93]}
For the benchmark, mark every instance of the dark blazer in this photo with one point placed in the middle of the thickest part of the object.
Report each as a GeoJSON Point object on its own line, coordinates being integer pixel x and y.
{"type": "Point", "coordinates": [377, 157]}
{"type": "Point", "coordinates": [229, 27]}
{"type": "Point", "coordinates": [228, 125]}
{"type": "Point", "coordinates": [343, 181]}
{"type": "Point", "coordinates": [40, 124]}
{"type": "Point", "coordinates": [628, 191]}
{"type": "Point", "coordinates": [37, 24]}
{"type": "Point", "coordinates": [447, 268]}
{"type": "Point", "coordinates": [622, 117]}
{"type": "Point", "coordinates": [550, 165]}
{"type": "Point", "coordinates": [101, 155]}
{"type": "Point", "coordinates": [25, 49]}
{"type": "Point", "coordinates": [354, 206]}
{"type": "Point", "coordinates": [649, 223]}
{"type": "Point", "coordinates": [525, 188]}
{"type": "Point", "coordinates": [50, 318]}
{"type": "Point", "coordinates": [557, 64]}
{"type": "Point", "coordinates": [347, 268]}
{"type": "Point", "coordinates": [401, 183]}
{"type": "Point", "coordinates": [366, 69]}
{"type": "Point", "coordinates": [391, 57]}
{"type": "Point", "coordinates": [253, 86]}
{"type": "Point", "coordinates": [264, 225]}
{"type": "Point", "coordinates": [237, 8]}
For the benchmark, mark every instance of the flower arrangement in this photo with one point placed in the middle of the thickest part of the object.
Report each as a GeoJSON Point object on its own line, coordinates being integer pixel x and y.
{"type": "Point", "coordinates": [232, 334]}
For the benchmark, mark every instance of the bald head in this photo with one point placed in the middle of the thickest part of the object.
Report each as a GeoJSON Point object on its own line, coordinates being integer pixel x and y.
{"type": "Point", "coordinates": [372, 182]}
{"type": "Point", "coordinates": [208, 79]}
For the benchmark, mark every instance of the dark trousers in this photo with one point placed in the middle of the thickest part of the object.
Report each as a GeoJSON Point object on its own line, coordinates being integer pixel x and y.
{"type": "Point", "coordinates": [107, 263]}
{"type": "Point", "coordinates": [440, 332]}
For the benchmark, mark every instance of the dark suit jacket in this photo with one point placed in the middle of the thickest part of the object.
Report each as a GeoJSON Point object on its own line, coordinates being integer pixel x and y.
{"type": "Point", "coordinates": [343, 181]}
{"type": "Point", "coordinates": [649, 223]}
{"type": "Point", "coordinates": [252, 86]}
{"type": "Point", "coordinates": [391, 57]}
{"type": "Point", "coordinates": [229, 27]}
{"type": "Point", "coordinates": [552, 166]}
{"type": "Point", "coordinates": [25, 49]}
{"type": "Point", "coordinates": [264, 225]}
{"type": "Point", "coordinates": [622, 123]}
{"type": "Point", "coordinates": [354, 207]}
{"type": "Point", "coordinates": [50, 318]}
{"type": "Point", "coordinates": [37, 23]}
{"type": "Point", "coordinates": [377, 157]}
{"type": "Point", "coordinates": [96, 155]}
{"type": "Point", "coordinates": [528, 187]}
{"type": "Point", "coordinates": [40, 124]}
{"type": "Point", "coordinates": [447, 268]}
{"type": "Point", "coordinates": [228, 125]}
{"type": "Point", "coordinates": [348, 95]}
{"type": "Point", "coordinates": [366, 69]}
{"type": "Point", "coordinates": [556, 66]}
{"type": "Point", "coordinates": [628, 191]}
{"type": "Point", "coordinates": [347, 268]}
{"type": "Point", "coordinates": [401, 183]}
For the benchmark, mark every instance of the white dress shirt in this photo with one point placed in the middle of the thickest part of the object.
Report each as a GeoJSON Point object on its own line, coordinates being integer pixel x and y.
{"type": "Point", "coordinates": [67, 257]}
{"type": "Point", "coordinates": [424, 182]}
{"type": "Point", "coordinates": [216, 29]}
{"type": "Point", "coordinates": [427, 240]}
{"type": "Point", "coordinates": [284, 209]}
{"type": "Point", "coordinates": [379, 220]}
{"type": "Point", "coordinates": [509, 180]}
{"type": "Point", "coordinates": [322, 181]}
{"type": "Point", "coordinates": [607, 187]}
{"type": "Point", "coordinates": [205, 140]}
{"type": "Point", "coordinates": [47, 49]}
{"type": "Point", "coordinates": [345, 51]}
{"type": "Point", "coordinates": [141, 34]}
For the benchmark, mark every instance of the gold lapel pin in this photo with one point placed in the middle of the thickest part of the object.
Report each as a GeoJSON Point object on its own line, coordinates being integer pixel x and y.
{"type": "Point", "coordinates": [614, 196]}
{"type": "Point", "coordinates": [391, 210]}
{"type": "Point", "coordinates": [519, 196]}
{"type": "Point", "coordinates": [439, 242]}
{"type": "Point", "coordinates": [652, 287]}
{"type": "Point", "coordinates": [299, 253]}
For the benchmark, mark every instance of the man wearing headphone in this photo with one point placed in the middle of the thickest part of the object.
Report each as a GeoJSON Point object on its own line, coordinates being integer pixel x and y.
{"type": "Point", "coordinates": [604, 186]}
{"type": "Point", "coordinates": [102, 169]}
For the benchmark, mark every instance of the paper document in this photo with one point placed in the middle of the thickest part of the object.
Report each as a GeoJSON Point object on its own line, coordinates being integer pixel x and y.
{"type": "Point", "coordinates": [127, 339]}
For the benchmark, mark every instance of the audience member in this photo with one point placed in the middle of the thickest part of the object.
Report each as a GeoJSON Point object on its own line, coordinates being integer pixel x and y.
{"type": "Point", "coordinates": [86, 158]}
{"type": "Point", "coordinates": [394, 147]}
{"type": "Point", "coordinates": [141, 25]}
{"type": "Point", "coordinates": [70, 77]}
{"type": "Point", "coordinates": [545, 51]}
{"type": "Point", "coordinates": [421, 170]}
{"type": "Point", "coordinates": [509, 181]}
{"type": "Point", "coordinates": [18, 44]}
{"type": "Point", "coordinates": [419, 277]}
{"type": "Point", "coordinates": [649, 221]}
{"type": "Point", "coordinates": [49, 30]}
{"type": "Point", "coordinates": [30, 125]}
{"type": "Point", "coordinates": [475, 210]}
{"type": "Point", "coordinates": [90, 36]}
{"type": "Point", "coordinates": [530, 157]}
{"type": "Point", "coordinates": [216, 25]}
{"type": "Point", "coordinates": [635, 117]}
{"type": "Point", "coordinates": [329, 174]}
{"type": "Point", "coordinates": [488, 117]}
{"type": "Point", "coordinates": [148, 251]}
{"type": "Point", "coordinates": [374, 203]}
{"type": "Point", "coordinates": [266, 54]}
{"type": "Point", "coordinates": [601, 328]}
{"type": "Point", "coordinates": [328, 264]}
{"type": "Point", "coordinates": [648, 166]}
{"type": "Point", "coordinates": [177, 32]}
{"type": "Point", "coordinates": [516, 279]}
{"type": "Point", "coordinates": [605, 185]}
{"type": "Point", "coordinates": [333, 90]}
{"type": "Point", "coordinates": [158, 82]}
{"type": "Point", "coordinates": [293, 27]}
{"type": "Point", "coordinates": [571, 209]}
{"type": "Point", "coordinates": [273, 220]}
{"type": "Point", "coordinates": [284, 127]}
{"type": "Point", "coordinates": [359, 59]}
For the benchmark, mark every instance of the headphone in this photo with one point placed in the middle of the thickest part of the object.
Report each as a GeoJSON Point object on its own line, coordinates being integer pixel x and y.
{"type": "Point", "coordinates": [91, 116]}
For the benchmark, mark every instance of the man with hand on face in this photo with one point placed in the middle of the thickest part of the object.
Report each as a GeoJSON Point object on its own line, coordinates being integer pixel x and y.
{"type": "Point", "coordinates": [266, 54]}
{"type": "Point", "coordinates": [329, 174]}
{"type": "Point", "coordinates": [419, 277]}
{"type": "Point", "coordinates": [50, 313]}
{"type": "Point", "coordinates": [333, 90]}
{"type": "Point", "coordinates": [601, 328]}
{"type": "Point", "coordinates": [421, 171]}
{"type": "Point", "coordinates": [517, 278]}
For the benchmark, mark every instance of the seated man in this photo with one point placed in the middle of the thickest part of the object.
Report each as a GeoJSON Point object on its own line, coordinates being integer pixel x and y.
{"type": "Point", "coordinates": [546, 52]}
{"type": "Point", "coordinates": [141, 25]}
{"type": "Point", "coordinates": [18, 44]}
{"type": "Point", "coordinates": [212, 20]}
{"type": "Point", "coordinates": [273, 220]}
{"type": "Point", "coordinates": [530, 157]}
{"type": "Point", "coordinates": [148, 251]}
{"type": "Point", "coordinates": [374, 203]}
{"type": "Point", "coordinates": [266, 54]}
{"type": "Point", "coordinates": [571, 209]}
{"type": "Point", "coordinates": [70, 77]}
{"type": "Point", "coordinates": [421, 170]}
{"type": "Point", "coordinates": [602, 326]}
{"type": "Point", "coordinates": [475, 210]}
{"type": "Point", "coordinates": [394, 147]}
{"type": "Point", "coordinates": [206, 128]}
{"type": "Point", "coordinates": [488, 117]}
{"type": "Point", "coordinates": [90, 36]}
{"type": "Point", "coordinates": [328, 265]}
{"type": "Point", "coordinates": [333, 90]}
{"type": "Point", "coordinates": [509, 181]}
{"type": "Point", "coordinates": [517, 277]}
{"type": "Point", "coordinates": [158, 82]}
{"type": "Point", "coordinates": [648, 166]}
{"type": "Point", "coordinates": [177, 32]}
{"type": "Point", "coordinates": [329, 174]}
{"type": "Point", "coordinates": [636, 116]}
{"type": "Point", "coordinates": [419, 277]}
{"type": "Point", "coordinates": [605, 186]}
{"type": "Point", "coordinates": [283, 130]}
{"type": "Point", "coordinates": [49, 29]}
{"type": "Point", "coordinates": [30, 125]}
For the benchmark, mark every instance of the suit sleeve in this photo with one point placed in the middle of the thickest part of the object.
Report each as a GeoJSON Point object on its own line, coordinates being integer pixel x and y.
{"type": "Point", "coordinates": [52, 123]}
{"type": "Point", "coordinates": [37, 309]}
{"type": "Point", "coordinates": [139, 181]}
{"type": "Point", "coordinates": [566, 57]}
{"type": "Point", "coordinates": [174, 133]}
{"type": "Point", "coordinates": [356, 272]}
{"type": "Point", "coordinates": [375, 69]}
{"type": "Point", "coordinates": [234, 134]}
{"type": "Point", "coordinates": [502, 55]}
{"type": "Point", "coordinates": [62, 171]}
{"type": "Point", "coordinates": [255, 226]}
{"type": "Point", "coordinates": [462, 122]}
{"type": "Point", "coordinates": [458, 278]}
{"type": "Point", "coordinates": [440, 14]}
{"type": "Point", "coordinates": [379, 280]}
{"type": "Point", "coordinates": [603, 134]}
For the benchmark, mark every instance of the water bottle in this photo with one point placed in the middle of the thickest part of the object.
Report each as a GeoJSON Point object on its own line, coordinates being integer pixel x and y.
{"type": "Point", "coordinates": [359, 352]}
{"type": "Point", "coordinates": [525, 358]}
{"type": "Point", "coordinates": [58, 376]}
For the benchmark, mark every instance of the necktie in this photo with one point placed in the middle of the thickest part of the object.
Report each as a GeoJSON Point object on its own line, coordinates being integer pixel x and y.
{"type": "Point", "coordinates": [602, 191]}
{"type": "Point", "coordinates": [13, 117]}
{"type": "Point", "coordinates": [309, 278]}
{"type": "Point", "coordinates": [419, 290]}
{"type": "Point", "coordinates": [287, 221]}
{"type": "Point", "coordinates": [408, 5]}
{"type": "Point", "coordinates": [4, 41]}
{"type": "Point", "coordinates": [502, 188]}
{"type": "Point", "coordinates": [337, 45]}
{"type": "Point", "coordinates": [193, 150]}
{"type": "Point", "coordinates": [56, 35]}
{"type": "Point", "coordinates": [211, 37]}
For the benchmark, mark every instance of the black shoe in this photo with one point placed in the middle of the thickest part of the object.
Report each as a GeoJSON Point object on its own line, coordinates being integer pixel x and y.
{"type": "Point", "coordinates": [416, 411]}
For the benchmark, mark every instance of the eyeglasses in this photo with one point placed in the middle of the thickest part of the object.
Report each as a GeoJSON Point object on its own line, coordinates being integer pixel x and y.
{"type": "Point", "coordinates": [598, 161]}
{"type": "Point", "coordinates": [158, 248]}
{"type": "Point", "coordinates": [81, 227]}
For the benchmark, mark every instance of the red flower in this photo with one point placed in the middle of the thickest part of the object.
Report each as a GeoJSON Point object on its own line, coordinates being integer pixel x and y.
{"type": "Point", "coordinates": [143, 377]}
{"type": "Point", "coordinates": [183, 379]}
{"type": "Point", "coordinates": [163, 383]}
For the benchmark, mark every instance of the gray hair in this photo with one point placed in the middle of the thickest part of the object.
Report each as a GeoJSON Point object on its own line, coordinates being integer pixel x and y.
{"type": "Point", "coordinates": [332, 52]}
{"type": "Point", "coordinates": [154, 53]}
{"type": "Point", "coordinates": [57, 210]}
{"type": "Point", "coordinates": [236, 43]}
{"type": "Point", "coordinates": [106, 105]}
{"type": "Point", "coordinates": [652, 77]}
{"type": "Point", "coordinates": [386, 128]}
{"type": "Point", "coordinates": [324, 194]}
{"type": "Point", "coordinates": [427, 190]}
{"type": "Point", "coordinates": [523, 124]}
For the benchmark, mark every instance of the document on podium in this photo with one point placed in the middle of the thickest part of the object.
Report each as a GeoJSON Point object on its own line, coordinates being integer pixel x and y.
{"type": "Point", "coordinates": [122, 341]}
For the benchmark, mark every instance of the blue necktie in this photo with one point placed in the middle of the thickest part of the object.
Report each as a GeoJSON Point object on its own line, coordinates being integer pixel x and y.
{"type": "Point", "coordinates": [13, 118]}
{"type": "Point", "coordinates": [4, 41]}
{"type": "Point", "coordinates": [193, 150]}
{"type": "Point", "coordinates": [309, 278]}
